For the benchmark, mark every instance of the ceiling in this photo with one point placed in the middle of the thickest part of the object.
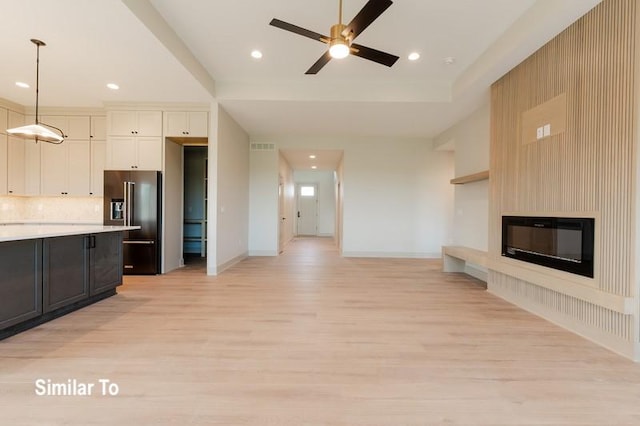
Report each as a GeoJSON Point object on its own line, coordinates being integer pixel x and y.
{"type": "Point", "coordinates": [199, 50]}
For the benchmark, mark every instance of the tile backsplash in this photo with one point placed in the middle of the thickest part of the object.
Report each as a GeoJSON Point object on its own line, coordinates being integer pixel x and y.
{"type": "Point", "coordinates": [81, 210]}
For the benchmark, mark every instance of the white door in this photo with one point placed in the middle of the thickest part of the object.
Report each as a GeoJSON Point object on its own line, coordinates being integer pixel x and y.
{"type": "Point", "coordinates": [282, 218]}
{"type": "Point", "coordinates": [307, 195]}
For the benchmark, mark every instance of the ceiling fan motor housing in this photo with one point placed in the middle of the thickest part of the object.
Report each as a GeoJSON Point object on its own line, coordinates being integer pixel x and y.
{"type": "Point", "coordinates": [339, 46]}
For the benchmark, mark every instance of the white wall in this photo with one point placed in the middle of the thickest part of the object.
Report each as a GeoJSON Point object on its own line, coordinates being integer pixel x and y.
{"type": "Point", "coordinates": [233, 192]}
{"type": "Point", "coordinates": [172, 220]}
{"type": "Point", "coordinates": [286, 173]}
{"type": "Point", "coordinates": [397, 197]}
{"type": "Point", "coordinates": [339, 178]}
{"type": "Point", "coordinates": [326, 198]}
{"type": "Point", "coordinates": [470, 139]}
{"type": "Point", "coordinates": [263, 203]}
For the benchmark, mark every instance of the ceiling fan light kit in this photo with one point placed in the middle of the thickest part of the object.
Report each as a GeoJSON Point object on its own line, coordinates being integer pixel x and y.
{"type": "Point", "coordinates": [341, 41]}
{"type": "Point", "coordinates": [339, 46]}
{"type": "Point", "coordinates": [38, 131]}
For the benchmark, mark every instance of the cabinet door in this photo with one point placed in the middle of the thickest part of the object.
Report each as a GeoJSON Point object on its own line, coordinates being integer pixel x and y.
{"type": "Point", "coordinates": [121, 123]}
{"type": "Point", "coordinates": [54, 168]}
{"type": "Point", "coordinates": [98, 128]}
{"type": "Point", "coordinates": [20, 281]}
{"type": "Point", "coordinates": [149, 153]}
{"type": "Point", "coordinates": [15, 119]}
{"type": "Point", "coordinates": [198, 124]}
{"type": "Point", "coordinates": [106, 262]}
{"type": "Point", "coordinates": [59, 121]}
{"type": "Point", "coordinates": [15, 166]}
{"type": "Point", "coordinates": [78, 167]}
{"type": "Point", "coordinates": [78, 127]}
{"type": "Point", "coordinates": [98, 161]}
{"type": "Point", "coordinates": [149, 123]}
{"type": "Point", "coordinates": [175, 123]}
{"type": "Point", "coordinates": [65, 271]}
{"type": "Point", "coordinates": [32, 163]}
{"type": "Point", "coordinates": [3, 164]}
{"type": "Point", "coordinates": [4, 123]}
{"type": "Point", "coordinates": [121, 153]}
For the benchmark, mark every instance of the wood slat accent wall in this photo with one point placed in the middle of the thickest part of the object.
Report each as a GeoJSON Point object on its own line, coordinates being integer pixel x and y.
{"type": "Point", "coordinates": [590, 167]}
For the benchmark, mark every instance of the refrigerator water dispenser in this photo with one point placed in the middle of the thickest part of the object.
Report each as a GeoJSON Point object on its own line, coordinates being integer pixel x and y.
{"type": "Point", "coordinates": [117, 209]}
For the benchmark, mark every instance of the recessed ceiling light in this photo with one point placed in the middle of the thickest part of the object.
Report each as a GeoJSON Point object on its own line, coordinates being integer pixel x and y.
{"type": "Point", "coordinates": [256, 54]}
{"type": "Point", "coordinates": [113, 86]}
{"type": "Point", "coordinates": [449, 60]}
{"type": "Point", "coordinates": [21, 84]}
{"type": "Point", "coordinates": [312, 156]}
{"type": "Point", "coordinates": [414, 56]}
{"type": "Point", "coordinates": [314, 167]}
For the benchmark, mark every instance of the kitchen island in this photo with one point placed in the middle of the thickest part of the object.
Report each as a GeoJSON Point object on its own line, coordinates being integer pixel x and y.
{"type": "Point", "coordinates": [50, 270]}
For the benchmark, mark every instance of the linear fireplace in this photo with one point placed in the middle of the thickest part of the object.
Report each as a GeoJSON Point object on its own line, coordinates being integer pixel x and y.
{"type": "Point", "coordinates": [564, 243]}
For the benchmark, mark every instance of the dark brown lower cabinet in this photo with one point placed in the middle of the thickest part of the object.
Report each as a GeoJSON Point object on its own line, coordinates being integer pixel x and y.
{"type": "Point", "coordinates": [65, 271]}
{"type": "Point", "coordinates": [20, 281]}
{"type": "Point", "coordinates": [106, 262]}
{"type": "Point", "coordinates": [41, 279]}
{"type": "Point", "coordinates": [78, 266]}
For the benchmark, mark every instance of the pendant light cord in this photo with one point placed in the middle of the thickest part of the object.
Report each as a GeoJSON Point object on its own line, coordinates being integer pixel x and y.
{"type": "Point", "coordinates": [37, 78]}
{"type": "Point", "coordinates": [39, 43]}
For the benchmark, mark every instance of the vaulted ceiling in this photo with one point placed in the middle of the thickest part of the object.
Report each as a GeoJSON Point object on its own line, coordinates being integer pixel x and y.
{"type": "Point", "coordinates": [199, 50]}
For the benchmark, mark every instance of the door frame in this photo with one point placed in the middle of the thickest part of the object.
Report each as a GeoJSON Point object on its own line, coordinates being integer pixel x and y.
{"type": "Point", "coordinates": [298, 185]}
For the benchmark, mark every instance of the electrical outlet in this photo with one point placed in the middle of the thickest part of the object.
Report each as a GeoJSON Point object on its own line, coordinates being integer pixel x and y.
{"type": "Point", "coordinates": [539, 133]}
{"type": "Point", "coordinates": [546, 130]}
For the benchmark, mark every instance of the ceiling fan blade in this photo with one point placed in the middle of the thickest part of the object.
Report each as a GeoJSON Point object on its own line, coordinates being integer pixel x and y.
{"type": "Point", "coordinates": [298, 30]}
{"type": "Point", "coordinates": [373, 55]}
{"type": "Point", "coordinates": [324, 60]}
{"type": "Point", "coordinates": [365, 17]}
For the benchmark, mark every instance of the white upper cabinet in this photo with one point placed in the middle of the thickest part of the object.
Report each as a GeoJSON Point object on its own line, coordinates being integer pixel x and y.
{"type": "Point", "coordinates": [98, 128]}
{"type": "Point", "coordinates": [98, 162]}
{"type": "Point", "coordinates": [4, 123]}
{"type": "Point", "coordinates": [73, 127]}
{"type": "Point", "coordinates": [15, 165]}
{"type": "Point", "coordinates": [134, 123]}
{"type": "Point", "coordinates": [134, 140]}
{"type": "Point", "coordinates": [3, 164]}
{"type": "Point", "coordinates": [31, 167]}
{"type": "Point", "coordinates": [66, 168]}
{"type": "Point", "coordinates": [14, 119]}
{"type": "Point", "coordinates": [137, 153]}
{"type": "Point", "coordinates": [186, 124]}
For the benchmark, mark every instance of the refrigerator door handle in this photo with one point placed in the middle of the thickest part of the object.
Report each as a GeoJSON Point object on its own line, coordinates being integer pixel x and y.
{"type": "Point", "coordinates": [138, 242]}
{"type": "Point", "coordinates": [125, 204]}
{"type": "Point", "coordinates": [131, 198]}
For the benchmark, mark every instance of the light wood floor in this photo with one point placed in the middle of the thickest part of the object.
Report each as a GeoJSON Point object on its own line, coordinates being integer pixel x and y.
{"type": "Point", "coordinates": [310, 338]}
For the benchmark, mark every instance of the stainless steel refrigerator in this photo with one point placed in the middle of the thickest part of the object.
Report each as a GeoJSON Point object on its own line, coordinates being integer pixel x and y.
{"type": "Point", "coordinates": [133, 198]}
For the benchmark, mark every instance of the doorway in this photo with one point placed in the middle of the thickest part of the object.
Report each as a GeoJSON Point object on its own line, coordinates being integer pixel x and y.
{"type": "Point", "coordinates": [307, 202]}
{"type": "Point", "coordinates": [194, 243]}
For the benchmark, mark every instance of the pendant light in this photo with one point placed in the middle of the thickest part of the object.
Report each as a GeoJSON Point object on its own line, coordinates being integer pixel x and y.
{"type": "Point", "coordinates": [38, 131]}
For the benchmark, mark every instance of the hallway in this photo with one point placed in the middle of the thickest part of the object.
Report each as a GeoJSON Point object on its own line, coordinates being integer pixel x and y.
{"type": "Point", "coordinates": [312, 338]}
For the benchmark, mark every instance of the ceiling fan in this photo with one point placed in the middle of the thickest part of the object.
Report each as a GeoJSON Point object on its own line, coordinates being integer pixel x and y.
{"type": "Point", "coordinates": [341, 42]}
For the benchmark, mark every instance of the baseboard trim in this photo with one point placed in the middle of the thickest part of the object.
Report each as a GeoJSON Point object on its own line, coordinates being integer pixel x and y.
{"type": "Point", "coordinates": [399, 255]}
{"type": "Point", "coordinates": [228, 264]}
{"type": "Point", "coordinates": [263, 253]}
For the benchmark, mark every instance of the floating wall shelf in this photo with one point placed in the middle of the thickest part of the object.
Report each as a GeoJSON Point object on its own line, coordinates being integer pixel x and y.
{"type": "Point", "coordinates": [471, 178]}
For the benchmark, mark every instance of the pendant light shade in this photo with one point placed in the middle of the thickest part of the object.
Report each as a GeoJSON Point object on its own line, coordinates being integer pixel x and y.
{"type": "Point", "coordinates": [38, 131]}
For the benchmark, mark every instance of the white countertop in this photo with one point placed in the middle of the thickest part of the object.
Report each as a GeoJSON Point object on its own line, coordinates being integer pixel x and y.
{"type": "Point", "coordinates": [14, 232]}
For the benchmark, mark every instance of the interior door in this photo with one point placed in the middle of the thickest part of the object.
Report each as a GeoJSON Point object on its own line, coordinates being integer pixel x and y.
{"type": "Point", "coordinates": [307, 220]}
{"type": "Point", "coordinates": [281, 216]}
